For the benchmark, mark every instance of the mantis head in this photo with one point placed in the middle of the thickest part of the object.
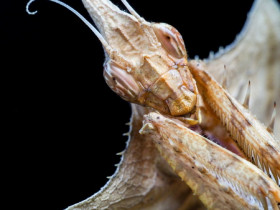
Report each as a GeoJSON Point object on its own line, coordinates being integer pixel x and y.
{"type": "Point", "coordinates": [146, 63]}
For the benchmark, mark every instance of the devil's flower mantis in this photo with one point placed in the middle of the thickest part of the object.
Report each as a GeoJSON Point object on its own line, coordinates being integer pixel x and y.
{"type": "Point", "coordinates": [186, 124]}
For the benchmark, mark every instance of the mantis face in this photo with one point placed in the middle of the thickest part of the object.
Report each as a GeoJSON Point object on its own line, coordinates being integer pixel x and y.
{"type": "Point", "coordinates": [146, 63]}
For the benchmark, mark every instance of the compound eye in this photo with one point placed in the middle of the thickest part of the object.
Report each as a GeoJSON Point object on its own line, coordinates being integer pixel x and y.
{"type": "Point", "coordinates": [120, 81]}
{"type": "Point", "coordinates": [170, 39]}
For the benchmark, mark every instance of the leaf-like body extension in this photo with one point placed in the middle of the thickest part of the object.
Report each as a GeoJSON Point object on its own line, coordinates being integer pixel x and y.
{"type": "Point", "coordinates": [220, 178]}
{"type": "Point", "coordinates": [254, 56]}
{"type": "Point", "coordinates": [142, 180]}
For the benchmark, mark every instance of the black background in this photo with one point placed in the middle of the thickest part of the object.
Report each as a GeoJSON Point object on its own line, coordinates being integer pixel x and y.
{"type": "Point", "coordinates": [64, 124]}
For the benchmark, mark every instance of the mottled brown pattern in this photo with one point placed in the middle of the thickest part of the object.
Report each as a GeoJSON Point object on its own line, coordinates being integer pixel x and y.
{"type": "Point", "coordinates": [151, 69]}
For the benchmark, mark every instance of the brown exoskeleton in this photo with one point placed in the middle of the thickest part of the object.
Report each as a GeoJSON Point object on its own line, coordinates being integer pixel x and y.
{"type": "Point", "coordinates": [146, 63]}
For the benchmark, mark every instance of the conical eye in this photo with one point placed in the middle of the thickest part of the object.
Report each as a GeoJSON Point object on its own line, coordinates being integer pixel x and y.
{"type": "Point", "coordinates": [120, 81]}
{"type": "Point", "coordinates": [170, 39]}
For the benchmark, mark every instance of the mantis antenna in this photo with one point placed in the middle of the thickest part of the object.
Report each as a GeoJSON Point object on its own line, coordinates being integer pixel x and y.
{"type": "Point", "coordinates": [91, 27]}
{"type": "Point", "coordinates": [131, 10]}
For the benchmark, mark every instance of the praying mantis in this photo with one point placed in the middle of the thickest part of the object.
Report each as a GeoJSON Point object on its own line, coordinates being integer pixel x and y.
{"type": "Point", "coordinates": [186, 125]}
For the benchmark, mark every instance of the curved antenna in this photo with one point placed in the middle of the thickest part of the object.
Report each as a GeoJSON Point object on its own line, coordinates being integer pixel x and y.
{"type": "Point", "coordinates": [27, 8]}
{"type": "Point", "coordinates": [85, 21]}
